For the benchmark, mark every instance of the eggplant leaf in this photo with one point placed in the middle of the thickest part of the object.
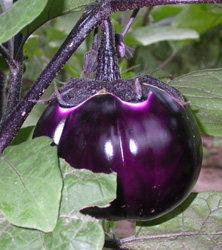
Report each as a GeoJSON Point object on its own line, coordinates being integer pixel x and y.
{"type": "Point", "coordinates": [153, 34]}
{"type": "Point", "coordinates": [196, 224]}
{"type": "Point", "coordinates": [74, 230]}
{"type": "Point", "coordinates": [204, 90]}
{"type": "Point", "coordinates": [55, 8]}
{"type": "Point", "coordinates": [30, 185]}
{"type": "Point", "coordinates": [18, 16]}
{"type": "Point", "coordinates": [70, 233]}
{"type": "Point", "coordinates": [82, 188]}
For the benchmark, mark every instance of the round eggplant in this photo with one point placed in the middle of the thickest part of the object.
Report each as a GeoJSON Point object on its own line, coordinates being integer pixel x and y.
{"type": "Point", "coordinates": [154, 146]}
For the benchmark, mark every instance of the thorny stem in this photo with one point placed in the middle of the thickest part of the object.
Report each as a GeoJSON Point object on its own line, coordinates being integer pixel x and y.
{"type": "Point", "coordinates": [86, 24]}
{"type": "Point", "coordinates": [107, 68]}
{"type": "Point", "coordinates": [2, 93]}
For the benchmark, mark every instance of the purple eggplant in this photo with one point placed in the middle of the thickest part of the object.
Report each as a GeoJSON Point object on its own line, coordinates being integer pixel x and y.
{"type": "Point", "coordinates": [154, 146]}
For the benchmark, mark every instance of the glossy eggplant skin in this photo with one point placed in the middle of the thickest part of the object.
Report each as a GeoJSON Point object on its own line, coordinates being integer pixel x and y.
{"type": "Point", "coordinates": [154, 147]}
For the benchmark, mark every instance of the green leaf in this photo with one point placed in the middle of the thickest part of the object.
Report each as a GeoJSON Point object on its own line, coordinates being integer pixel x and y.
{"type": "Point", "coordinates": [35, 114]}
{"type": "Point", "coordinates": [195, 17]}
{"type": "Point", "coordinates": [71, 233]}
{"type": "Point", "coordinates": [55, 8]}
{"type": "Point", "coordinates": [23, 135]}
{"type": "Point", "coordinates": [30, 185]}
{"type": "Point", "coordinates": [163, 12]}
{"type": "Point", "coordinates": [153, 34]}
{"type": "Point", "coordinates": [16, 238]}
{"type": "Point", "coordinates": [204, 90]}
{"type": "Point", "coordinates": [18, 16]}
{"type": "Point", "coordinates": [82, 189]}
{"type": "Point", "coordinates": [196, 224]}
{"type": "Point", "coordinates": [212, 8]}
{"type": "Point", "coordinates": [75, 231]}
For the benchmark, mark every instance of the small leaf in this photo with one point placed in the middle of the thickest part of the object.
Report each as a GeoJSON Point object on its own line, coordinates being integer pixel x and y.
{"type": "Point", "coordinates": [196, 224]}
{"type": "Point", "coordinates": [153, 34]}
{"type": "Point", "coordinates": [18, 16]}
{"type": "Point", "coordinates": [82, 189]}
{"type": "Point", "coordinates": [55, 8]}
{"type": "Point", "coordinates": [204, 89]}
{"type": "Point", "coordinates": [30, 185]}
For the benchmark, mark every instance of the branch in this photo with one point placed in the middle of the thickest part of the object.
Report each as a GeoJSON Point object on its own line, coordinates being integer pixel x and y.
{"type": "Point", "coordinates": [7, 57]}
{"type": "Point", "coordinates": [130, 22]}
{"type": "Point", "coordinates": [15, 82]}
{"type": "Point", "coordinates": [85, 25]}
{"type": "Point", "coordinates": [124, 5]}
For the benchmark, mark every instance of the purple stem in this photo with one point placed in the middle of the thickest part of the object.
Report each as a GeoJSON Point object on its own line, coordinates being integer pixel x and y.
{"type": "Point", "coordinates": [2, 93]}
{"type": "Point", "coordinates": [107, 68]}
{"type": "Point", "coordinates": [132, 18]}
{"type": "Point", "coordinates": [95, 39]}
{"type": "Point", "coordinates": [15, 81]}
{"type": "Point", "coordinates": [10, 61]}
{"type": "Point", "coordinates": [86, 24]}
{"type": "Point", "coordinates": [124, 5]}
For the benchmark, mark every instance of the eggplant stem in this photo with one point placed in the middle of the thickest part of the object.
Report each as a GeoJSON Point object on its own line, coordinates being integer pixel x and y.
{"type": "Point", "coordinates": [107, 68]}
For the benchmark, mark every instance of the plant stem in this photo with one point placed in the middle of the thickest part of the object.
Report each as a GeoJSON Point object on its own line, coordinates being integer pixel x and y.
{"type": "Point", "coordinates": [132, 18]}
{"type": "Point", "coordinates": [108, 68]}
{"type": "Point", "coordinates": [168, 60]}
{"type": "Point", "coordinates": [15, 81]}
{"type": "Point", "coordinates": [8, 58]}
{"type": "Point", "coordinates": [133, 59]}
{"type": "Point", "coordinates": [124, 5]}
{"type": "Point", "coordinates": [15, 71]}
{"type": "Point", "coordinates": [146, 20]}
{"type": "Point", "coordinates": [90, 58]}
{"type": "Point", "coordinates": [88, 22]}
{"type": "Point", "coordinates": [95, 39]}
{"type": "Point", "coordinates": [2, 93]}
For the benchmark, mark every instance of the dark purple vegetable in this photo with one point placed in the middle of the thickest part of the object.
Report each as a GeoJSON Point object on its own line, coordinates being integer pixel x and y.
{"type": "Point", "coordinates": [154, 146]}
